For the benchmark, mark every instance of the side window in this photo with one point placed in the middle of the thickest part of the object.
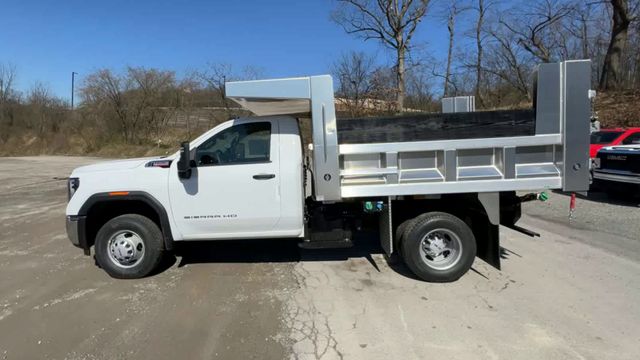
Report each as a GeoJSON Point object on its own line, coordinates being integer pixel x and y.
{"type": "Point", "coordinates": [632, 139]}
{"type": "Point", "coordinates": [239, 144]}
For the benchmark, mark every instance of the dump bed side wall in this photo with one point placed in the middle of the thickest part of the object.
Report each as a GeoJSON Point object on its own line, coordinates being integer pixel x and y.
{"type": "Point", "coordinates": [555, 157]}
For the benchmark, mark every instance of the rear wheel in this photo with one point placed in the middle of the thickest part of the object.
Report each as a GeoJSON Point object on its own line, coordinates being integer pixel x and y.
{"type": "Point", "coordinates": [129, 246]}
{"type": "Point", "coordinates": [438, 247]}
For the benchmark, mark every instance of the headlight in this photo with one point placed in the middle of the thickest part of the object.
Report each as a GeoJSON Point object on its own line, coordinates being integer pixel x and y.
{"type": "Point", "coordinates": [596, 163]}
{"type": "Point", "coordinates": [72, 185]}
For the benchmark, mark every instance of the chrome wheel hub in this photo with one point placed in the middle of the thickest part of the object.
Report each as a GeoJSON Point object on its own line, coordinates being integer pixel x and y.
{"type": "Point", "coordinates": [126, 248]}
{"type": "Point", "coordinates": [441, 249]}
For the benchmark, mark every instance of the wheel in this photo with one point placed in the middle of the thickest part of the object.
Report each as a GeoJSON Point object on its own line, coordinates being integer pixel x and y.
{"type": "Point", "coordinates": [438, 247]}
{"type": "Point", "coordinates": [129, 246]}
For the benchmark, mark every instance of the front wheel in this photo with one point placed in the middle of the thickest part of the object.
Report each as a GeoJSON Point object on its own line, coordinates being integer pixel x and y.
{"type": "Point", "coordinates": [438, 247]}
{"type": "Point", "coordinates": [129, 246]}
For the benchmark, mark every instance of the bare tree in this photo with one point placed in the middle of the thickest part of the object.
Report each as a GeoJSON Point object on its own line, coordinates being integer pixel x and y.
{"type": "Point", "coordinates": [216, 74]}
{"type": "Point", "coordinates": [152, 98]}
{"type": "Point", "coordinates": [506, 61]}
{"type": "Point", "coordinates": [138, 100]}
{"type": "Point", "coordinates": [39, 100]}
{"type": "Point", "coordinates": [583, 14]}
{"type": "Point", "coordinates": [7, 79]}
{"type": "Point", "coordinates": [590, 25]}
{"type": "Point", "coordinates": [612, 68]}
{"type": "Point", "coordinates": [534, 27]}
{"type": "Point", "coordinates": [104, 91]}
{"type": "Point", "coordinates": [392, 22]}
{"type": "Point", "coordinates": [7, 95]}
{"type": "Point", "coordinates": [454, 8]}
{"type": "Point", "coordinates": [419, 89]}
{"type": "Point", "coordinates": [354, 71]}
{"type": "Point", "coordinates": [482, 10]}
{"type": "Point", "coordinates": [383, 88]}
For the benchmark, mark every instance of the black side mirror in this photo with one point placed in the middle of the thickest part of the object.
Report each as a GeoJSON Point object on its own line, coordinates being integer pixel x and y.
{"type": "Point", "coordinates": [184, 163]}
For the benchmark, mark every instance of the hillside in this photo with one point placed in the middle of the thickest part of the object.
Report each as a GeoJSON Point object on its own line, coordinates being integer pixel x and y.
{"type": "Point", "coordinates": [618, 109]}
{"type": "Point", "coordinates": [614, 109]}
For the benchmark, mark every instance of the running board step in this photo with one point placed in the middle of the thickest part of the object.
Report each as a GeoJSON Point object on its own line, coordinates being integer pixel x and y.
{"type": "Point", "coordinates": [334, 239]}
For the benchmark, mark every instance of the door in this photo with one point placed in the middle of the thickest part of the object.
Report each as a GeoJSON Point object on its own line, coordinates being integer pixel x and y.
{"type": "Point", "coordinates": [234, 190]}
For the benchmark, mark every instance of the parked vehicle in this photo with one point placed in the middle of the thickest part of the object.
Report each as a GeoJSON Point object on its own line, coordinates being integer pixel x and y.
{"type": "Point", "coordinates": [616, 169]}
{"type": "Point", "coordinates": [438, 192]}
{"type": "Point", "coordinates": [608, 137]}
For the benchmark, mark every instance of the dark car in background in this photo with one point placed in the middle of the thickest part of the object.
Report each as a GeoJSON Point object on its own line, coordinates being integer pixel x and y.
{"type": "Point", "coordinates": [616, 169]}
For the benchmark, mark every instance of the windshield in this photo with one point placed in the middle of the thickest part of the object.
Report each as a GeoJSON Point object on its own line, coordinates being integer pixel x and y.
{"type": "Point", "coordinates": [604, 137]}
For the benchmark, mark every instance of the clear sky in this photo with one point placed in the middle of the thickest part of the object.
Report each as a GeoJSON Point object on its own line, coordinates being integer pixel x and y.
{"type": "Point", "coordinates": [47, 40]}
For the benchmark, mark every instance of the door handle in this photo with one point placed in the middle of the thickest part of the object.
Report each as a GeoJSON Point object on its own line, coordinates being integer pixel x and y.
{"type": "Point", "coordinates": [264, 176]}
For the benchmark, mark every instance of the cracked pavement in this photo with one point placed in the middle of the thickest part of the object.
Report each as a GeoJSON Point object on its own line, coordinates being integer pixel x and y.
{"type": "Point", "coordinates": [572, 293]}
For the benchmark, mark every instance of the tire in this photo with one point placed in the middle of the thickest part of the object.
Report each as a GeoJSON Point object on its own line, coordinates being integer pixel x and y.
{"type": "Point", "coordinates": [448, 255]}
{"type": "Point", "coordinates": [397, 238]}
{"type": "Point", "coordinates": [403, 229]}
{"type": "Point", "coordinates": [129, 246]}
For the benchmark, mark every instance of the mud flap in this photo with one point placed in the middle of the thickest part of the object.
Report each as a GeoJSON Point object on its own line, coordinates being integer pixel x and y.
{"type": "Point", "coordinates": [386, 229]}
{"type": "Point", "coordinates": [489, 248]}
{"type": "Point", "coordinates": [487, 232]}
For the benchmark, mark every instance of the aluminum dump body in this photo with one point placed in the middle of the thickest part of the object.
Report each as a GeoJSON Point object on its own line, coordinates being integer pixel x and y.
{"type": "Point", "coordinates": [546, 147]}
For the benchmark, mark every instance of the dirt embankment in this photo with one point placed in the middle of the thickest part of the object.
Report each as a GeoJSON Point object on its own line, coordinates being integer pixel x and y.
{"type": "Point", "coordinates": [618, 109]}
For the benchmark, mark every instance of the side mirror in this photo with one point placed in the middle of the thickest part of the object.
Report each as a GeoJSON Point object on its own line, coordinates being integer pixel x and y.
{"type": "Point", "coordinates": [184, 163]}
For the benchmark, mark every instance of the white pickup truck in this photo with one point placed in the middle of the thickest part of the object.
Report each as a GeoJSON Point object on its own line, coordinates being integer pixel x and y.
{"type": "Point", "coordinates": [437, 197]}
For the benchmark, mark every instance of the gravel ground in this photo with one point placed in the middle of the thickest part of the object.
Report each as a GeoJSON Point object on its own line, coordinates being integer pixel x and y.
{"type": "Point", "coordinates": [569, 294]}
{"type": "Point", "coordinates": [618, 221]}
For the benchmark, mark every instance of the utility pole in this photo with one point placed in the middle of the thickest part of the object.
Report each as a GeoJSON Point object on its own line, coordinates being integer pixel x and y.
{"type": "Point", "coordinates": [73, 80]}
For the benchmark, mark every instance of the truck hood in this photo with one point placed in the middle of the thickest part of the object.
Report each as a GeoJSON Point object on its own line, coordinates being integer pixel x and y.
{"type": "Point", "coordinates": [114, 165]}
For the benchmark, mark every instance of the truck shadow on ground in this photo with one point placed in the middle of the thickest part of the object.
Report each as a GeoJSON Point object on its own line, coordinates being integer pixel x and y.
{"type": "Point", "coordinates": [274, 251]}
{"type": "Point", "coordinates": [365, 246]}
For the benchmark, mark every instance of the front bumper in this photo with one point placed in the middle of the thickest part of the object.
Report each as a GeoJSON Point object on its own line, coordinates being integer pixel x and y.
{"type": "Point", "coordinates": [625, 178]}
{"type": "Point", "coordinates": [76, 232]}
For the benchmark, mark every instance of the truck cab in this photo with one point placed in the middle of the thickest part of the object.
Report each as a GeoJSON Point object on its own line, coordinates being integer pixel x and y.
{"type": "Point", "coordinates": [247, 182]}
